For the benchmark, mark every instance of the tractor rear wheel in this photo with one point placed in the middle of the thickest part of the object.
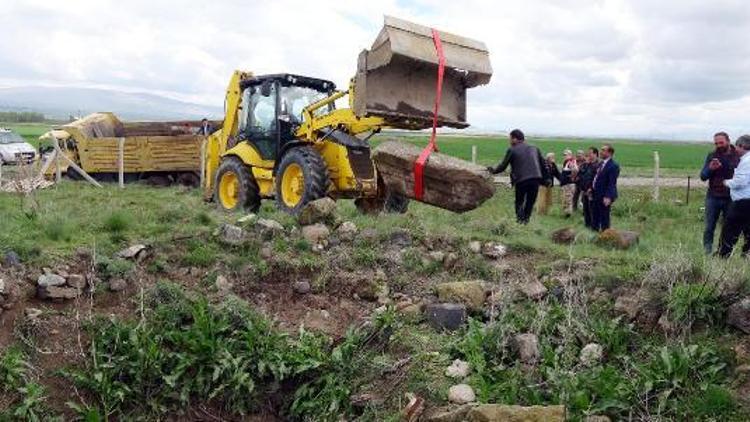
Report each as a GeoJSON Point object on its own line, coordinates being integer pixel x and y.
{"type": "Point", "coordinates": [302, 177]}
{"type": "Point", "coordinates": [236, 188]}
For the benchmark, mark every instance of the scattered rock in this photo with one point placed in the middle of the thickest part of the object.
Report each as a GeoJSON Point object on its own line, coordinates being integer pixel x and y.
{"type": "Point", "coordinates": [447, 414]}
{"type": "Point", "coordinates": [457, 369]}
{"type": "Point", "coordinates": [446, 316]}
{"type": "Point", "coordinates": [412, 311]}
{"type": "Point", "coordinates": [564, 236]}
{"type": "Point", "coordinates": [316, 233]}
{"type": "Point", "coordinates": [514, 413]}
{"type": "Point", "coordinates": [247, 219]}
{"type": "Point", "coordinates": [597, 418]}
{"type": "Point", "coordinates": [57, 293]}
{"type": "Point", "coordinates": [319, 320]}
{"type": "Point", "coordinates": [666, 325]}
{"type": "Point", "coordinates": [591, 354]}
{"type": "Point", "coordinates": [32, 313]}
{"type": "Point", "coordinates": [649, 316]}
{"type": "Point", "coordinates": [50, 280]}
{"type": "Point", "coordinates": [620, 239]}
{"type": "Point", "coordinates": [117, 285]}
{"type": "Point", "coordinates": [347, 231]}
{"type": "Point", "coordinates": [470, 293]}
{"type": "Point", "coordinates": [319, 211]}
{"type": "Point", "coordinates": [738, 315]}
{"type": "Point", "coordinates": [461, 394]}
{"type": "Point", "coordinates": [526, 347]}
{"type": "Point", "coordinates": [450, 261]}
{"type": "Point", "coordinates": [269, 227]}
{"type": "Point", "coordinates": [2, 286]}
{"type": "Point", "coordinates": [629, 305]}
{"type": "Point", "coordinates": [76, 280]}
{"type": "Point", "coordinates": [494, 250]}
{"type": "Point", "coordinates": [11, 259]}
{"type": "Point", "coordinates": [301, 287]}
{"type": "Point", "coordinates": [195, 272]}
{"type": "Point", "coordinates": [369, 235]}
{"type": "Point", "coordinates": [475, 246]}
{"type": "Point", "coordinates": [266, 252]}
{"type": "Point", "coordinates": [223, 285]}
{"type": "Point", "coordinates": [437, 256]}
{"type": "Point", "coordinates": [372, 290]}
{"type": "Point", "coordinates": [135, 252]}
{"type": "Point", "coordinates": [401, 238]}
{"type": "Point", "coordinates": [232, 235]}
{"type": "Point", "coordinates": [533, 289]}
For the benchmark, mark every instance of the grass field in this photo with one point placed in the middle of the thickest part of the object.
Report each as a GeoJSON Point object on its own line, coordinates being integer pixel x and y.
{"type": "Point", "coordinates": [635, 157]}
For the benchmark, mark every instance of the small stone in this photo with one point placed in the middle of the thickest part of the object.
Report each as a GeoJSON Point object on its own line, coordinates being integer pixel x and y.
{"type": "Point", "coordinates": [195, 272]}
{"type": "Point", "coordinates": [475, 246]}
{"type": "Point", "coordinates": [412, 311]}
{"type": "Point", "coordinates": [401, 238]}
{"type": "Point", "coordinates": [11, 259]}
{"type": "Point", "coordinates": [301, 287]}
{"type": "Point", "coordinates": [49, 280]}
{"type": "Point", "coordinates": [232, 235]}
{"type": "Point", "coordinates": [446, 316]}
{"type": "Point", "coordinates": [666, 325]}
{"type": "Point", "coordinates": [494, 250]}
{"type": "Point", "coordinates": [2, 286]}
{"type": "Point", "coordinates": [533, 289]}
{"type": "Point", "coordinates": [738, 315]}
{"type": "Point", "coordinates": [347, 231]}
{"type": "Point", "coordinates": [564, 236]}
{"type": "Point", "coordinates": [461, 394]}
{"type": "Point", "coordinates": [318, 211]}
{"type": "Point", "coordinates": [266, 252]}
{"type": "Point", "coordinates": [76, 280]}
{"type": "Point", "coordinates": [591, 354]}
{"type": "Point", "coordinates": [515, 413]}
{"type": "Point", "coordinates": [83, 253]}
{"type": "Point", "coordinates": [32, 313]}
{"type": "Point", "coordinates": [620, 239]}
{"type": "Point", "coordinates": [628, 305]}
{"type": "Point", "coordinates": [315, 233]}
{"type": "Point", "coordinates": [526, 347]}
{"type": "Point", "coordinates": [372, 290]}
{"type": "Point", "coordinates": [457, 369]}
{"type": "Point", "coordinates": [132, 252]}
{"type": "Point", "coordinates": [470, 293]}
{"type": "Point", "coordinates": [247, 219]}
{"type": "Point", "coordinates": [450, 261]}
{"type": "Point", "coordinates": [223, 285]}
{"type": "Point", "coordinates": [56, 292]}
{"type": "Point", "coordinates": [437, 256]}
{"type": "Point", "coordinates": [117, 285]}
{"type": "Point", "coordinates": [447, 414]}
{"type": "Point", "coordinates": [269, 227]}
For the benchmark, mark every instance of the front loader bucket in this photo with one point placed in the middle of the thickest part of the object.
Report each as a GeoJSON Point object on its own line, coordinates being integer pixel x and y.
{"type": "Point", "coordinates": [396, 78]}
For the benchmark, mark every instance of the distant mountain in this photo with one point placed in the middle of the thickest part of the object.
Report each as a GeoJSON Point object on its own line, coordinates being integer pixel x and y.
{"type": "Point", "coordinates": [59, 103]}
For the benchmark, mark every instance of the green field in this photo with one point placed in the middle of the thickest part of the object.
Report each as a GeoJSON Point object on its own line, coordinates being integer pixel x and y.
{"type": "Point", "coordinates": [635, 157]}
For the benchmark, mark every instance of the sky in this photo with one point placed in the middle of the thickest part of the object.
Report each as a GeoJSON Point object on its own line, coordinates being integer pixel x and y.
{"type": "Point", "coordinates": [670, 69]}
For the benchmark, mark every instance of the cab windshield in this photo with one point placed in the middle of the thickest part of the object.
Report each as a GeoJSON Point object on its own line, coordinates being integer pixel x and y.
{"type": "Point", "coordinates": [295, 98]}
{"type": "Point", "coordinates": [10, 138]}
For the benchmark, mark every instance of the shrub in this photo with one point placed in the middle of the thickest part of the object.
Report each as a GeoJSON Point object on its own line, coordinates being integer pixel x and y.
{"type": "Point", "coordinates": [117, 222]}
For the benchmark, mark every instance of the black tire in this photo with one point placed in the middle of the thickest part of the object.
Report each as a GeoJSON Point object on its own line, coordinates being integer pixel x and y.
{"type": "Point", "coordinates": [247, 193]}
{"type": "Point", "coordinates": [315, 179]}
{"type": "Point", "coordinates": [396, 203]}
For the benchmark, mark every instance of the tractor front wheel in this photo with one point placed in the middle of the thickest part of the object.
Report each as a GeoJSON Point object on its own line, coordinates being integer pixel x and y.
{"type": "Point", "coordinates": [236, 188]}
{"type": "Point", "coordinates": [301, 177]}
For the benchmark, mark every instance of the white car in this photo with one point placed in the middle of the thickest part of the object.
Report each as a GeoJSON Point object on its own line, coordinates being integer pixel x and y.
{"type": "Point", "coordinates": [14, 150]}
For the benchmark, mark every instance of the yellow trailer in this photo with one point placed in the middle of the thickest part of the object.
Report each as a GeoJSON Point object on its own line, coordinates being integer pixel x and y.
{"type": "Point", "coordinates": [158, 152]}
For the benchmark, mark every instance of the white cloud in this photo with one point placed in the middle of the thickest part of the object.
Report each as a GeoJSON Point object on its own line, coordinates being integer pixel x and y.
{"type": "Point", "coordinates": [604, 67]}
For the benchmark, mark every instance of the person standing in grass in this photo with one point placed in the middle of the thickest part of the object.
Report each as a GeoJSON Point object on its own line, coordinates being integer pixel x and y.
{"type": "Point", "coordinates": [604, 188]}
{"type": "Point", "coordinates": [568, 172]}
{"type": "Point", "coordinates": [718, 167]}
{"type": "Point", "coordinates": [527, 173]}
{"type": "Point", "coordinates": [580, 161]}
{"type": "Point", "coordinates": [737, 219]}
{"type": "Point", "coordinates": [584, 183]}
{"type": "Point", "coordinates": [545, 191]}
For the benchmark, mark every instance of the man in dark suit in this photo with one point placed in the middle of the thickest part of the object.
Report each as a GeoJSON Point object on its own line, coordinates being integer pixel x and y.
{"type": "Point", "coordinates": [605, 188]}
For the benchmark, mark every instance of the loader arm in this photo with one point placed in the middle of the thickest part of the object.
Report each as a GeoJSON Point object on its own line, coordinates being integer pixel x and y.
{"type": "Point", "coordinates": [218, 141]}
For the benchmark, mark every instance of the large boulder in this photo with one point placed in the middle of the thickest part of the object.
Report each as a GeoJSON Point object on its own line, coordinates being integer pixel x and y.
{"type": "Point", "coordinates": [470, 293]}
{"type": "Point", "coordinates": [619, 239]}
{"type": "Point", "coordinates": [50, 280]}
{"type": "Point", "coordinates": [513, 413]}
{"type": "Point", "coordinates": [319, 211]}
{"type": "Point", "coordinates": [738, 315]}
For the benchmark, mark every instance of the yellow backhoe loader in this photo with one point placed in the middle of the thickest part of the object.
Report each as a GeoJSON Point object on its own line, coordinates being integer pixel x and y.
{"type": "Point", "coordinates": [283, 137]}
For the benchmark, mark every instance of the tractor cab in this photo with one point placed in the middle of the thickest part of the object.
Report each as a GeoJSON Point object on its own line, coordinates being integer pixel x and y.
{"type": "Point", "coordinates": [272, 109]}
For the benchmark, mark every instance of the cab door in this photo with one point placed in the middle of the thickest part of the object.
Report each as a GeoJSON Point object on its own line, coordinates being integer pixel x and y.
{"type": "Point", "coordinates": [261, 119]}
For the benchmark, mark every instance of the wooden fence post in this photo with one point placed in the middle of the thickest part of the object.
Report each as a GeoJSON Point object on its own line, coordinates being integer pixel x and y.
{"type": "Point", "coordinates": [58, 169]}
{"type": "Point", "coordinates": [121, 163]}
{"type": "Point", "coordinates": [473, 154]}
{"type": "Point", "coordinates": [656, 176]}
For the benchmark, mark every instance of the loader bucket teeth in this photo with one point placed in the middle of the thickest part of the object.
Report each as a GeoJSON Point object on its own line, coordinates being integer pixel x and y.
{"type": "Point", "coordinates": [396, 78]}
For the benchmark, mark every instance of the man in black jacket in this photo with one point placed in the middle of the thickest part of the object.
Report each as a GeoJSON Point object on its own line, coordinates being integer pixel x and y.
{"type": "Point", "coordinates": [585, 183]}
{"type": "Point", "coordinates": [718, 167]}
{"type": "Point", "coordinates": [528, 171]}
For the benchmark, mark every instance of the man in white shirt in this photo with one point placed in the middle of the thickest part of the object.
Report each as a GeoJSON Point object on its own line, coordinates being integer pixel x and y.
{"type": "Point", "coordinates": [738, 216]}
